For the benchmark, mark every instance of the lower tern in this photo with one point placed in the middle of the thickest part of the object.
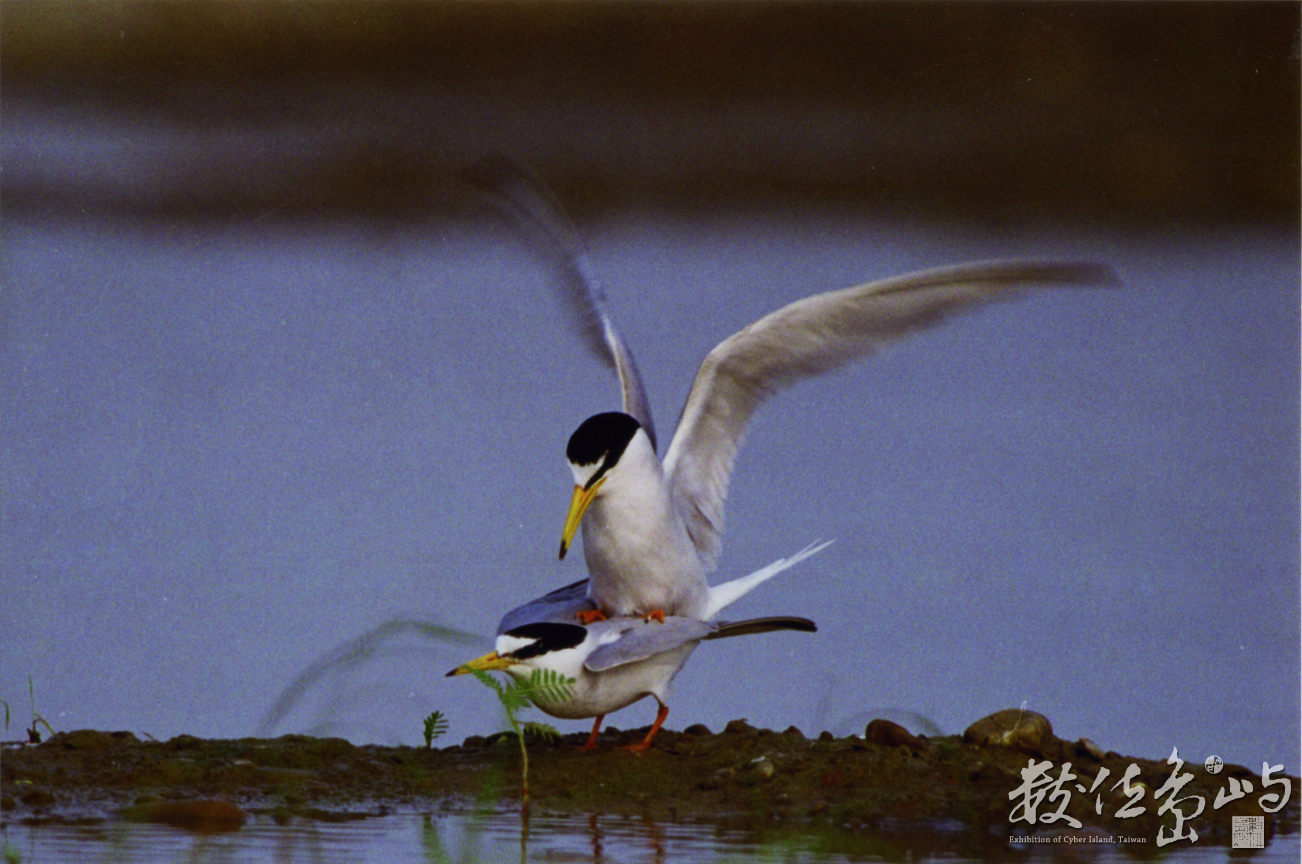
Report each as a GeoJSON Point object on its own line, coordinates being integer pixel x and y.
{"type": "Point", "coordinates": [652, 530]}
{"type": "Point", "coordinates": [616, 661]}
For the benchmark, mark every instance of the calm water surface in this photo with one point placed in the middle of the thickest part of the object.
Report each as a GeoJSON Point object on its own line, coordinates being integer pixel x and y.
{"type": "Point", "coordinates": [466, 837]}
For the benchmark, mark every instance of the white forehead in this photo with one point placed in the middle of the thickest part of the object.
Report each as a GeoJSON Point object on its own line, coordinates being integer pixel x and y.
{"type": "Point", "coordinates": [583, 473]}
{"type": "Point", "coordinates": [639, 449]}
{"type": "Point", "coordinates": [508, 644]}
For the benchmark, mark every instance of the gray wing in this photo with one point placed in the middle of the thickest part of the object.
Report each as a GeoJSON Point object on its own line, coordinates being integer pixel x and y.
{"type": "Point", "coordinates": [560, 606]}
{"type": "Point", "coordinates": [807, 338]}
{"type": "Point", "coordinates": [751, 626]}
{"type": "Point", "coordinates": [533, 207]}
{"type": "Point", "coordinates": [644, 639]}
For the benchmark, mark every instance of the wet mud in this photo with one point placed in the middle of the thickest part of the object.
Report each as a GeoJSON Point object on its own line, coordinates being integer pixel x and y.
{"type": "Point", "coordinates": [970, 787]}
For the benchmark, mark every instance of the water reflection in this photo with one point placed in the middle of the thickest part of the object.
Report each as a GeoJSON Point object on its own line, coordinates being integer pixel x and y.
{"type": "Point", "coordinates": [465, 837]}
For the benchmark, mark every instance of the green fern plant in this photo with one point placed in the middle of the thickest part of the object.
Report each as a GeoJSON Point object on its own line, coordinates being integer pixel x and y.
{"type": "Point", "coordinates": [544, 686]}
{"type": "Point", "coordinates": [435, 725]}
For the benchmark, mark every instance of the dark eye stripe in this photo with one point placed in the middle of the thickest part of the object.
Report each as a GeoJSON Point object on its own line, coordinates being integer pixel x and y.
{"type": "Point", "coordinates": [549, 636]}
{"type": "Point", "coordinates": [601, 472]}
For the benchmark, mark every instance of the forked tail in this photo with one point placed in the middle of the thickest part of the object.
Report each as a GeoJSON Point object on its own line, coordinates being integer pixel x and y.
{"type": "Point", "coordinates": [723, 595]}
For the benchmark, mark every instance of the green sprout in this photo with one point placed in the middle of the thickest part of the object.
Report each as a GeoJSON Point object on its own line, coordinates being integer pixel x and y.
{"type": "Point", "coordinates": [543, 686]}
{"type": "Point", "coordinates": [435, 725]}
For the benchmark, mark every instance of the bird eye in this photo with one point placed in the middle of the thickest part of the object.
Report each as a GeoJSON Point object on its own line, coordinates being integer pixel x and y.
{"type": "Point", "coordinates": [606, 463]}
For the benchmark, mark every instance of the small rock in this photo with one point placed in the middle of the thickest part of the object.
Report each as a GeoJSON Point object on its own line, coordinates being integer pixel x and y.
{"type": "Point", "coordinates": [38, 798]}
{"type": "Point", "coordinates": [92, 739]}
{"type": "Point", "coordinates": [758, 771]}
{"type": "Point", "coordinates": [474, 742]}
{"type": "Point", "coordinates": [1086, 747]}
{"type": "Point", "coordinates": [793, 732]}
{"type": "Point", "coordinates": [738, 727]}
{"type": "Point", "coordinates": [1012, 727]}
{"type": "Point", "coordinates": [890, 734]}
{"type": "Point", "coordinates": [184, 742]}
{"type": "Point", "coordinates": [205, 817]}
{"type": "Point", "coordinates": [699, 729]}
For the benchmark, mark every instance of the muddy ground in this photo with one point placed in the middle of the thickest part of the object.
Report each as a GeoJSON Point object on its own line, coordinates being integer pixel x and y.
{"type": "Point", "coordinates": [740, 776]}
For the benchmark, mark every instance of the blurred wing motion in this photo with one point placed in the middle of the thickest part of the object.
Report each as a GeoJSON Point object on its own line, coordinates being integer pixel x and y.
{"type": "Point", "coordinates": [533, 207]}
{"type": "Point", "coordinates": [812, 336]}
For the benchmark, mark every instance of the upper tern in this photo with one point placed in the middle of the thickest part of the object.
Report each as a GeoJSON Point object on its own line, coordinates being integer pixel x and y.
{"type": "Point", "coordinates": [652, 530]}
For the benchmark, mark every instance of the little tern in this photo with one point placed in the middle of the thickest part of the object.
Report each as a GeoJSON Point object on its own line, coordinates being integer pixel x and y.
{"type": "Point", "coordinates": [616, 661]}
{"type": "Point", "coordinates": [652, 530]}
{"type": "Point", "coordinates": [613, 662]}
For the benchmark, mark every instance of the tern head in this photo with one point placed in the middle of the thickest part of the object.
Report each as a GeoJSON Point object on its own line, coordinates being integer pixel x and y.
{"type": "Point", "coordinates": [541, 645]}
{"type": "Point", "coordinates": [594, 451]}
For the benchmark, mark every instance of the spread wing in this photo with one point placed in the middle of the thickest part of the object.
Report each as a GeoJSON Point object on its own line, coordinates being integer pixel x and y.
{"type": "Point", "coordinates": [532, 206]}
{"type": "Point", "coordinates": [812, 336]}
{"type": "Point", "coordinates": [638, 640]}
{"type": "Point", "coordinates": [559, 606]}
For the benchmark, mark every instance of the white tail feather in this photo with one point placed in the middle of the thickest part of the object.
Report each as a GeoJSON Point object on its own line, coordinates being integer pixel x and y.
{"type": "Point", "coordinates": [723, 595]}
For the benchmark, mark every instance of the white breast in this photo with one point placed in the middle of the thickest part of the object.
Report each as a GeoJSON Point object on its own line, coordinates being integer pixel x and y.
{"type": "Point", "coordinates": [636, 546]}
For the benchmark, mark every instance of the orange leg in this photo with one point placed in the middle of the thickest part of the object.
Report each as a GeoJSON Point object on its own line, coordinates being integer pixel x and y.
{"type": "Point", "coordinates": [656, 615]}
{"type": "Point", "coordinates": [589, 616]}
{"type": "Point", "coordinates": [645, 743]}
{"type": "Point", "coordinates": [592, 739]}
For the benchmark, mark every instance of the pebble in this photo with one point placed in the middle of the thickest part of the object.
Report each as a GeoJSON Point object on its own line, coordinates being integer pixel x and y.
{"type": "Point", "coordinates": [759, 771]}
{"type": "Point", "coordinates": [205, 817]}
{"type": "Point", "coordinates": [1087, 747]}
{"type": "Point", "coordinates": [890, 734]}
{"type": "Point", "coordinates": [1012, 727]}
{"type": "Point", "coordinates": [91, 739]}
{"type": "Point", "coordinates": [738, 727]}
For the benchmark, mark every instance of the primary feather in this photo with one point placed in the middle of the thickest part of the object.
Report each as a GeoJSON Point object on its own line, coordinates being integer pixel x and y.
{"type": "Point", "coordinates": [809, 337]}
{"type": "Point", "coordinates": [532, 206]}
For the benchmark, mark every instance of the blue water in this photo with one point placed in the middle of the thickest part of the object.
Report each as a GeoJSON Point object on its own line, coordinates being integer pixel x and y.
{"type": "Point", "coordinates": [229, 448]}
{"type": "Point", "coordinates": [466, 838]}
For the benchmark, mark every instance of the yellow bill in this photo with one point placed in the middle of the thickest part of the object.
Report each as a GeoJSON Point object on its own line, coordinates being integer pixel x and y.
{"type": "Point", "coordinates": [488, 663]}
{"type": "Point", "coordinates": [578, 506]}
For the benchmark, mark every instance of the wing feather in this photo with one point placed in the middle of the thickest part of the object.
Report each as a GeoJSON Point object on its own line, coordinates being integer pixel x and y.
{"type": "Point", "coordinates": [807, 338]}
{"type": "Point", "coordinates": [561, 606]}
{"type": "Point", "coordinates": [533, 207]}
{"type": "Point", "coordinates": [751, 626]}
{"type": "Point", "coordinates": [647, 639]}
